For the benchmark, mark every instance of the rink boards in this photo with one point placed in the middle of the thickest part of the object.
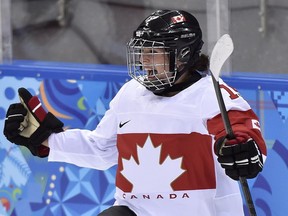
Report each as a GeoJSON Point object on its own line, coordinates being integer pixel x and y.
{"type": "Point", "coordinates": [79, 94]}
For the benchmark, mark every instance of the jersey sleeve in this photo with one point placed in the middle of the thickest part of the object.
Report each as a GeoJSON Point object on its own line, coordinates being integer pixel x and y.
{"type": "Point", "coordinates": [241, 121]}
{"type": "Point", "coordinates": [241, 116]}
{"type": "Point", "coordinates": [92, 149]}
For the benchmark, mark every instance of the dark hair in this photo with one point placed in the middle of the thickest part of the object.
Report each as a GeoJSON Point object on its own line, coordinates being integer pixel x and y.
{"type": "Point", "coordinates": [202, 64]}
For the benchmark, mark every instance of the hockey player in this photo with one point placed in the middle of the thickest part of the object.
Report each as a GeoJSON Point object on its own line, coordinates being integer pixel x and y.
{"type": "Point", "coordinates": [163, 129]}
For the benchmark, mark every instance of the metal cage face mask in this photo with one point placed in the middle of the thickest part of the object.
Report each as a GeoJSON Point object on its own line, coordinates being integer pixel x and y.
{"type": "Point", "coordinates": [151, 64]}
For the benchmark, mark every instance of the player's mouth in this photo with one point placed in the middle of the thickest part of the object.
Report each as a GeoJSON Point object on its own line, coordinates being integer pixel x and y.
{"type": "Point", "coordinates": [151, 74]}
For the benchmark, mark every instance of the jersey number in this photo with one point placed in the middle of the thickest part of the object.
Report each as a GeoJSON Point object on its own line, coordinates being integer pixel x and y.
{"type": "Point", "coordinates": [231, 91]}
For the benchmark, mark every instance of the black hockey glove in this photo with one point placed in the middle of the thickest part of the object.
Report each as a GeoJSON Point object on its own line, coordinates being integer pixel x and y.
{"type": "Point", "coordinates": [29, 125]}
{"type": "Point", "coordinates": [240, 157]}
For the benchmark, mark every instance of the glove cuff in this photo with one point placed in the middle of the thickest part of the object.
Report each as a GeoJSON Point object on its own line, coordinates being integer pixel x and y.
{"type": "Point", "coordinates": [49, 125]}
{"type": "Point", "coordinates": [240, 138]}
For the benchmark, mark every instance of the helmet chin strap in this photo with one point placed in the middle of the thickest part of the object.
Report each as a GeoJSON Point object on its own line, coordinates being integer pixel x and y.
{"type": "Point", "coordinates": [194, 77]}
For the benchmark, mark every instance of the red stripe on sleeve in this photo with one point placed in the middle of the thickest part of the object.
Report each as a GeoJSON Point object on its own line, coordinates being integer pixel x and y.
{"type": "Point", "coordinates": [242, 121]}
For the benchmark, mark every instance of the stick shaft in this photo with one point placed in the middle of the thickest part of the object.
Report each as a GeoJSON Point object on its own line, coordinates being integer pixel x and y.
{"type": "Point", "coordinates": [223, 111]}
{"type": "Point", "coordinates": [230, 134]}
{"type": "Point", "coordinates": [247, 195]}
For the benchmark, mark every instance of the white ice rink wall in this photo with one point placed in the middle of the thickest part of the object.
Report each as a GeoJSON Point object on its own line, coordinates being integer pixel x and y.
{"type": "Point", "coordinates": [79, 94]}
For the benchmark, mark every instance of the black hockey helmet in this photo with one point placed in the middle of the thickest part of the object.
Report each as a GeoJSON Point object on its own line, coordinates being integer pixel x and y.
{"type": "Point", "coordinates": [178, 33]}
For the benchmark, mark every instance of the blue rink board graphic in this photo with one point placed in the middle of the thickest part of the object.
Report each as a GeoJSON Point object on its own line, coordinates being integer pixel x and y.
{"type": "Point", "coordinates": [79, 95]}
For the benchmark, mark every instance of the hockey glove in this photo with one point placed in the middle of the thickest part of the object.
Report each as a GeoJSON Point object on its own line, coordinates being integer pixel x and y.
{"type": "Point", "coordinates": [28, 124]}
{"type": "Point", "coordinates": [240, 157]}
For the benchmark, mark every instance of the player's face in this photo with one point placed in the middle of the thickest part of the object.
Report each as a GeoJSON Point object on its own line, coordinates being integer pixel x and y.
{"type": "Point", "coordinates": [155, 61]}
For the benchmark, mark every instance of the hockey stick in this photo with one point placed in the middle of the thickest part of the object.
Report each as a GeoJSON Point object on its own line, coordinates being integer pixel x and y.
{"type": "Point", "coordinates": [220, 53]}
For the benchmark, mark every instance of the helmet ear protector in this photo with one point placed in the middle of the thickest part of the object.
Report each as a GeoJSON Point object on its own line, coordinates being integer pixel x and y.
{"type": "Point", "coordinates": [184, 54]}
{"type": "Point", "coordinates": [177, 34]}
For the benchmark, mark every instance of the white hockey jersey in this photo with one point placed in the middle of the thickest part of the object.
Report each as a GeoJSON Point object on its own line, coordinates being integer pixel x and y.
{"type": "Point", "coordinates": [164, 150]}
